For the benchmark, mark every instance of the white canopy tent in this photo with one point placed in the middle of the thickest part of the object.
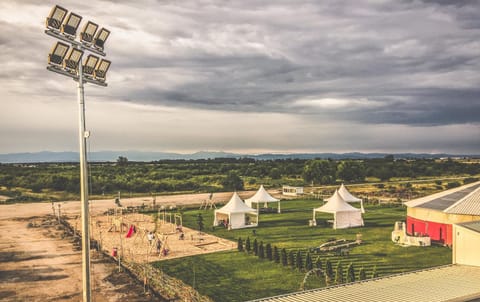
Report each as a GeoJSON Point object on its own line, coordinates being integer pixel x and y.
{"type": "Point", "coordinates": [262, 196]}
{"type": "Point", "coordinates": [348, 197]}
{"type": "Point", "coordinates": [236, 214]}
{"type": "Point", "coordinates": [344, 215]}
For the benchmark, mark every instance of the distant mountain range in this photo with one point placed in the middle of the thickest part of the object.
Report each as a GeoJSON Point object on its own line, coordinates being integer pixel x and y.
{"type": "Point", "coordinates": [104, 156]}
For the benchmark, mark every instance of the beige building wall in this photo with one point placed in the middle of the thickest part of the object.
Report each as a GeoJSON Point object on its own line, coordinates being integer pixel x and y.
{"type": "Point", "coordinates": [466, 246]}
{"type": "Point", "coordinates": [439, 216]}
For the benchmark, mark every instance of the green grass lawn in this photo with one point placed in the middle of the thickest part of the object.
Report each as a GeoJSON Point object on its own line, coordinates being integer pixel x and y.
{"type": "Point", "coordinates": [237, 276]}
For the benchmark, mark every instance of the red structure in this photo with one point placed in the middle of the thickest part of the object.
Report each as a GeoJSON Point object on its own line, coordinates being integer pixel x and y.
{"type": "Point", "coordinates": [438, 232]}
{"type": "Point", "coordinates": [434, 215]}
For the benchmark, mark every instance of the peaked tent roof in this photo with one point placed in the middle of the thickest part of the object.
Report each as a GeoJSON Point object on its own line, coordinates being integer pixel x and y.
{"type": "Point", "coordinates": [336, 204]}
{"type": "Point", "coordinates": [236, 205]}
{"type": "Point", "coordinates": [346, 195]}
{"type": "Point", "coordinates": [261, 196]}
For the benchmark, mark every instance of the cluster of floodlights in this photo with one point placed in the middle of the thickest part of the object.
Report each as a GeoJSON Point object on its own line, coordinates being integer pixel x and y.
{"type": "Point", "coordinates": [65, 59]}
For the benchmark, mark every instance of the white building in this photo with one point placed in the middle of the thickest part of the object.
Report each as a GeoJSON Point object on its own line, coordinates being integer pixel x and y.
{"type": "Point", "coordinates": [292, 191]}
{"type": "Point", "coordinates": [466, 243]}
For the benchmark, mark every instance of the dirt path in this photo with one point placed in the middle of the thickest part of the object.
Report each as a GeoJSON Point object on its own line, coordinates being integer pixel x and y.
{"type": "Point", "coordinates": [36, 264]}
{"type": "Point", "coordinates": [99, 206]}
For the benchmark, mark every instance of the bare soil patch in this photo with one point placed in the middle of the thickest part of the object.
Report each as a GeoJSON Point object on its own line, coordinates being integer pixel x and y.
{"type": "Point", "coordinates": [38, 262]}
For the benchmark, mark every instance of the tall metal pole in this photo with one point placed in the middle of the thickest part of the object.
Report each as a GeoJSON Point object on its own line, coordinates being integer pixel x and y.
{"type": "Point", "coordinates": [83, 135]}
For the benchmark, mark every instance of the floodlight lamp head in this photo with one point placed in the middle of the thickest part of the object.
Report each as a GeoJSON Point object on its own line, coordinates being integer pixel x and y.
{"type": "Point", "coordinates": [100, 38]}
{"type": "Point", "coordinates": [88, 32]}
{"type": "Point", "coordinates": [57, 55]}
{"type": "Point", "coordinates": [89, 66]}
{"type": "Point", "coordinates": [72, 60]}
{"type": "Point", "coordinates": [56, 17]}
{"type": "Point", "coordinates": [69, 28]}
{"type": "Point", "coordinates": [101, 70]}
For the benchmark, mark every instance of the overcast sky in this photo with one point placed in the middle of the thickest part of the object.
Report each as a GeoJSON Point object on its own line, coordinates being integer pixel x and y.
{"type": "Point", "coordinates": [251, 77]}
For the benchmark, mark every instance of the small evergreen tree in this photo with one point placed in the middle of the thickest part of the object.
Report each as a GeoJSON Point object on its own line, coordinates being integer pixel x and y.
{"type": "Point", "coordinates": [291, 259]}
{"type": "Point", "coordinates": [248, 248]}
{"type": "Point", "coordinates": [200, 222]}
{"type": "Point", "coordinates": [299, 260]}
{"type": "Point", "coordinates": [361, 274]}
{"type": "Point", "coordinates": [318, 265]}
{"type": "Point", "coordinates": [261, 251]}
{"type": "Point", "coordinates": [350, 273]}
{"type": "Point", "coordinates": [308, 262]}
{"type": "Point", "coordinates": [329, 270]}
{"type": "Point", "coordinates": [276, 255]}
{"type": "Point", "coordinates": [284, 257]}
{"type": "Point", "coordinates": [268, 251]}
{"type": "Point", "coordinates": [339, 279]}
{"type": "Point", "coordinates": [240, 244]}
{"type": "Point", "coordinates": [255, 247]}
{"type": "Point", "coordinates": [374, 272]}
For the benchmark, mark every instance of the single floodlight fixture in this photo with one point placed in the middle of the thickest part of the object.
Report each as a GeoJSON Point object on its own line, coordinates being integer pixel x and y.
{"type": "Point", "coordinates": [90, 64]}
{"type": "Point", "coordinates": [56, 17]}
{"type": "Point", "coordinates": [57, 54]}
{"type": "Point", "coordinates": [69, 28]}
{"type": "Point", "coordinates": [101, 70]}
{"type": "Point", "coordinates": [88, 32]}
{"type": "Point", "coordinates": [100, 38]}
{"type": "Point", "coordinates": [72, 59]}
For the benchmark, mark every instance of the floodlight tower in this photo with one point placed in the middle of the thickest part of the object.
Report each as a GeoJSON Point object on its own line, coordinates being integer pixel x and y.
{"type": "Point", "coordinates": [66, 59]}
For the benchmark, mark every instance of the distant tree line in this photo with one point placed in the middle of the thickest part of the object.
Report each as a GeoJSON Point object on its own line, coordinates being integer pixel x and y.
{"type": "Point", "coordinates": [221, 174]}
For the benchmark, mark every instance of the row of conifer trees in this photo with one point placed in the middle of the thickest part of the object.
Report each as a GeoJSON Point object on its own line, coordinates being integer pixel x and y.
{"type": "Point", "coordinates": [295, 260]}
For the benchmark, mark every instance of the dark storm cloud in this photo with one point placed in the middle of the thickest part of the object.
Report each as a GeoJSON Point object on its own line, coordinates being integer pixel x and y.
{"type": "Point", "coordinates": [253, 56]}
{"type": "Point", "coordinates": [334, 65]}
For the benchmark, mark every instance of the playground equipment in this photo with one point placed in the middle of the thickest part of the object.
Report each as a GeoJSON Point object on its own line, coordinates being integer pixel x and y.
{"type": "Point", "coordinates": [117, 223]}
{"type": "Point", "coordinates": [399, 236]}
{"type": "Point", "coordinates": [175, 219]}
{"type": "Point", "coordinates": [208, 203]}
{"type": "Point", "coordinates": [340, 246]}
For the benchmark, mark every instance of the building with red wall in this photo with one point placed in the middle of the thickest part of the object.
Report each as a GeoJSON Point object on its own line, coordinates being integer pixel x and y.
{"type": "Point", "coordinates": [435, 214]}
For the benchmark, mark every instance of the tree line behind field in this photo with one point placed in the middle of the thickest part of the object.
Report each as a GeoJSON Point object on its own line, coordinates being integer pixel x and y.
{"type": "Point", "coordinates": [213, 175]}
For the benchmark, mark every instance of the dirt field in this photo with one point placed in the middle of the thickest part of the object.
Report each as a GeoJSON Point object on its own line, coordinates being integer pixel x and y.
{"type": "Point", "coordinates": [37, 264]}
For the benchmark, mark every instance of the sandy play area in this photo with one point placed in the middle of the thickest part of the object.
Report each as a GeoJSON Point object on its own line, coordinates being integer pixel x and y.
{"type": "Point", "coordinates": [129, 235]}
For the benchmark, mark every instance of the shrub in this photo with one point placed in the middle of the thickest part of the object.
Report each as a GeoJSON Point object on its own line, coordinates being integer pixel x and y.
{"type": "Point", "coordinates": [308, 262]}
{"type": "Point", "coordinates": [361, 274]}
{"type": "Point", "coordinates": [276, 255]}
{"type": "Point", "coordinates": [339, 278]}
{"type": "Point", "coordinates": [268, 251]}
{"type": "Point", "coordinates": [240, 244]}
{"type": "Point", "coordinates": [255, 247]}
{"type": "Point", "coordinates": [248, 248]}
{"type": "Point", "coordinates": [261, 251]}
{"type": "Point", "coordinates": [284, 257]}
{"type": "Point", "coordinates": [470, 180]}
{"type": "Point", "coordinates": [318, 265]}
{"type": "Point", "coordinates": [374, 272]}
{"type": "Point", "coordinates": [350, 273]}
{"type": "Point", "coordinates": [329, 269]}
{"type": "Point", "coordinates": [453, 184]}
{"type": "Point", "coordinates": [299, 260]}
{"type": "Point", "coordinates": [291, 259]}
